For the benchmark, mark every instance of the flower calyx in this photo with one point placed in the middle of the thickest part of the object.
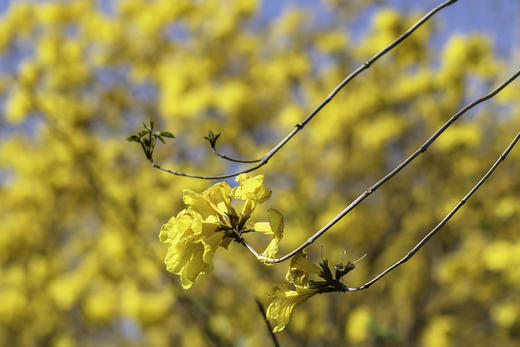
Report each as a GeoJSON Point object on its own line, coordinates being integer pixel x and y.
{"type": "Point", "coordinates": [332, 283]}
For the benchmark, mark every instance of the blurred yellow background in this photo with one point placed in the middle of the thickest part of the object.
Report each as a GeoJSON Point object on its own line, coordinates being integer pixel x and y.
{"type": "Point", "coordinates": [81, 209]}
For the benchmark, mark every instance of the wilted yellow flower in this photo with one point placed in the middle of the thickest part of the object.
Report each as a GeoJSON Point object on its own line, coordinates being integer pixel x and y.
{"type": "Point", "coordinates": [297, 287]}
{"type": "Point", "coordinates": [210, 221]}
{"type": "Point", "coordinates": [295, 290]}
{"type": "Point", "coordinates": [285, 299]}
{"type": "Point", "coordinates": [299, 270]}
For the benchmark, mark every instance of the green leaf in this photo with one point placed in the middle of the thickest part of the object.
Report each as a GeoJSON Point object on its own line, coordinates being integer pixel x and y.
{"type": "Point", "coordinates": [167, 134]}
{"type": "Point", "coordinates": [143, 133]}
{"type": "Point", "coordinates": [133, 138]}
{"type": "Point", "coordinates": [160, 138]}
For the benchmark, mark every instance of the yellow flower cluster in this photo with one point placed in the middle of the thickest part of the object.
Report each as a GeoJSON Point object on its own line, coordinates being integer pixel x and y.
{"type": "Point", "coordinates": [210, 221]}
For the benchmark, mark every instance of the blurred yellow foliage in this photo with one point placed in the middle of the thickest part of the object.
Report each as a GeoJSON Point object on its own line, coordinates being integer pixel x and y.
{"type": "Point", "coordinates": [358, 326]}
{"type": "Point", "coordinates": [81, 210]}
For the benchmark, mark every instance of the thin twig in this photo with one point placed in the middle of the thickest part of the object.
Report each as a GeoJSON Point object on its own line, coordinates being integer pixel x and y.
{"type": "Point", "coordinates": [386, 178]}
{"type": "Point", "coordinates": [262, 311]}
{"type": "Point", "coordinates": [332, 94]}
{"type": "Point", "coordinates": [234, 160]}
{"type": "Point", "coordinates": [444, 221]}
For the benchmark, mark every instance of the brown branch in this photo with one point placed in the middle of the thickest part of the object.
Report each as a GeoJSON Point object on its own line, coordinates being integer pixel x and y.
{"type": "Point", "coordinates": [386, 178]}
{"type": "Point", "coordinates": [318, 108]}
{"type": "Point", "coordinates": [234, 160]}
{"type": "Point", "coordinates": [262, 311]}
{"type": "Point", "coordinates": [444, 221]}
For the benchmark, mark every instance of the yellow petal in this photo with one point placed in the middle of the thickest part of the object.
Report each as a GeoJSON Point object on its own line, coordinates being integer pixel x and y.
{"type": "Point", "coordinates": [273, 227]}
{"type": "Point", "coordinates": [197, 202]}
{"type": "Point", "coordinates": [241, 177]}
{"type": "Point", "coordinates": [285, 299]}
{"type": "Point", "coordinates": [248, 208]}
{"type": "Point", "coordinates": [194, 267]}
{"type": "Point", "coordinates": [300, 268]}
{"type": "Point", "coordinates": [178, 255]}
{"type": "Point", "coordinates": [263, 227]}
{"type": "Point", "coordinates": [196, 226]}
{"type": "Point", "coordinates": [212, 220]}
{"type": "Point", "coordinates": [167, 230]}
{"type": "Point", "coordinates": [276, 222]}
{"type": "Point", "coordinates": [251, 188]}
{"type": "Point", "coordinates": [220, 191]}
{"type": "Point", "coordinates": [177, 227]}
{"type": "Point", "coordinates": [271, 250]}
{"type": "Point", "coordinates": [219, 197]}
{"type": "Point", "coordinates": [210, 246]}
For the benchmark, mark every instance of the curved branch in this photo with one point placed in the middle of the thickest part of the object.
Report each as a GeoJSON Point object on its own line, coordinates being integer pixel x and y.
{"type": "Point", "coordinates": [332, 94]}
{"type": "Point", "coordinates": [386, 178]}
{"type": "Point", "coordinates": [234, 160]}
{"type": "Point", "coordinates": [444, 221]}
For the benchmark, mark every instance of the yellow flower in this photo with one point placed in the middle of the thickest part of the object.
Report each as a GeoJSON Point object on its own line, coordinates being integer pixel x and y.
{"type": "Point", "coordinates": [210, 221]}
{"type": "Point", "coordinates": [251, 188]}
{"type": "Point", "coordinates": [284, 301]}
{"type": "Point", "coordinates": [300, 268]}
{"type": "Point", "coordinates": [297, 287]}
{"type": "Point", "coordinates": [193, 242]}
{"type": "Point", "coordinates": [295, 290]}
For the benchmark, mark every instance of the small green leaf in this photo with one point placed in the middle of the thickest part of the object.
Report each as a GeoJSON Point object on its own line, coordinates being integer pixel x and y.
{"type": "Point", "coordinates": [146, 126]}
{"type": "Point", "coordinates": [160, 138]}
{"type": "Point", "coordinates": [133, 138]}
{"type": "Point", "coordinates": [143, 133]}
{"type": "Point", "coordinates": [167, 134]}
{"type": "Point", "coordinates": [151, 124]}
